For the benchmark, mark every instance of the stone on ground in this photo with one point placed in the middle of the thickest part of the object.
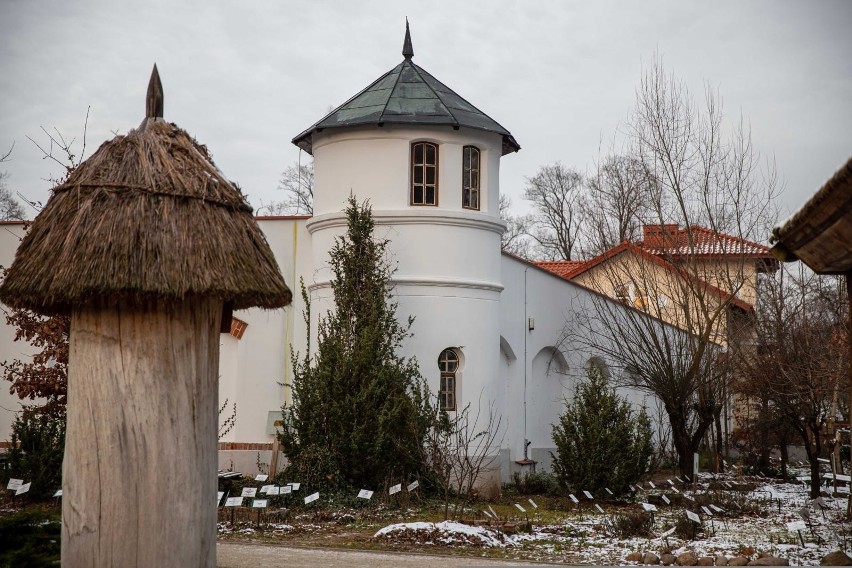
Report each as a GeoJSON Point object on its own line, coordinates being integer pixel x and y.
{"type": "Point", "coordinates": [836, 558]}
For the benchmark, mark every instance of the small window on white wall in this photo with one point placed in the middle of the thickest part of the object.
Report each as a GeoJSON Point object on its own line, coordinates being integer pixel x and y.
{"type": "Point", "coordinates": [424, 173]}
{"type": "Point", "coordinates": [448, 364]}
{"type": "Point", "coordinates": [470, 177]}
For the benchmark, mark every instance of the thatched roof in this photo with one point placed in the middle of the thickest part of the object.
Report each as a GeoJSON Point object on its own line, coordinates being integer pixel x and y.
{"type": "Point", "coordinates": [148, 216]}
{"type": "Point", "coordinates": [819, 234]}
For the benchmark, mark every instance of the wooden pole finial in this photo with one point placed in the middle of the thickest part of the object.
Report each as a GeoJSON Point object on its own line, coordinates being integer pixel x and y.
{"type": "Point", "coordinates": [154, 99]}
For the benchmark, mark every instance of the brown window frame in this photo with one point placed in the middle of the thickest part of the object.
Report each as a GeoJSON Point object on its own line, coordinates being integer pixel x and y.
{"type": "Point", "coordinates": [471, 189]}
{"type": "Point", "coordinates": [448, 365]}
{"type": "Point", "coordinates": [424, 167]}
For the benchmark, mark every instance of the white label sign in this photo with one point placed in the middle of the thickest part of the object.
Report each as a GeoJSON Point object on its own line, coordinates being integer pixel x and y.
{"type": "Point", "coordinates": [573, 498]}
{"type": "Point", "coordinates": [395, 489]}
{"type": "Point", "coordinates": [668, 533]}
{"type": "Point", "coordinates": [294, 486]}
{"type": "Point", "coordinates": [717, 509]}
{"type": "Point", "coordinates": [311, 498]}
{"type": "Point", "coordinates": [15, 483]}
{"type": "Point", "coordinates": [487, 514]}
{"type": "Point", "coordinates": [690, 497]}
{"type": "Point", "coordinates": [249, 492]}
{"type": "Point", "coordinates": [533, 503]}
{"type": "Point", "coordinates": [670, 482]}
{"type": "Point", "coordinates": [59, 494]}
{"type": "Point", "coordinates": [588, 495]}
{"type": "Point", "coordinates": [23, 488]}
{"type": "Point", "coordinates": [797, 526]}
{"type": "Point", "coordinates": [666, 500]}
{"type": "Point", "coordinates": [599, 508]}
{"type": "Point", "coordinates": [607, 490]}
{"type": "Point", "coordinates": [706, 511]}
{"type": "Point", "coordinates": [218, 497]}
{"type": "Point", "coordinates": [693, 517]}
{"type": "Point", "coordinates": [259, 503]}
{"type": "Point", "coordinates": [413, 485]}
{"type": "Point", "coordinates": [265, 489]}
{"type": "Point", "coordinates": [651, 483]}
{"type": "Point", "coordinates": [275, 490]}
{"type": "Point", "coordinates": [286, 490]}
{"type": "Point", "coordinates": [675, 489]}
{"type": "Point", "coordinates": [492, 511]}
{"type": "Point", "coordinates": [520, 508]}
{"type": "Point", "coordinates": [261, 477]}
{"type": "Point", "coordinates": [649, 507]}
{"type": "Point", "coordinates": [365, 494]}
{"type": "Point", "coordinates": [234, 502]}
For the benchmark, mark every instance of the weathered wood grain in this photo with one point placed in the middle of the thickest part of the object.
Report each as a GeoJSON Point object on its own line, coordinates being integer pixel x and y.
{"type": "Point", "coordinates": [139, 475]}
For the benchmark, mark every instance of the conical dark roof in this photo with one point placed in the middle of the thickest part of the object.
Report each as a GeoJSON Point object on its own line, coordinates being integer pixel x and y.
{"type": "Point", "coordinates": [147, 216]}
{"type": "Point", "coordinates": [407, 94]}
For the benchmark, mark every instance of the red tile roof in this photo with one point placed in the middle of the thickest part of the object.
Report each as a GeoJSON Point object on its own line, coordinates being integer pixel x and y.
{"type": "Point", "coordinates": [571, 269]}
{"type": "Point", "coordinates": [671, 240]}
{"type": "Point", "coordinates": [564, 268]}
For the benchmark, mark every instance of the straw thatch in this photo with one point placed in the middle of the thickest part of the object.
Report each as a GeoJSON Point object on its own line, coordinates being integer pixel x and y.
{"type": "Point", "coordinates": [147, 217]}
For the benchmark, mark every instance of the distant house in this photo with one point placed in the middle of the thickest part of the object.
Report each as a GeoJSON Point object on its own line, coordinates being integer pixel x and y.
{"type": "Point", "coordinates": [675, 273]}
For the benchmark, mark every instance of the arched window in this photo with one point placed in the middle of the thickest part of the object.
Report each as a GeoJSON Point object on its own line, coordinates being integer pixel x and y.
{"type": "Point", "coordinates": [424, 173]}
{"type": "Point", "coordinates": [470, 177]}
{"type": "Point", "coordinates": [448, 364]}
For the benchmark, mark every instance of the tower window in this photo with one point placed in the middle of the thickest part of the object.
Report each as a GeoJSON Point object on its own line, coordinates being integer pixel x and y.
{"type": "Point", "coordinates": [470, 177]}
{"type": "Point", "coordinates": [424, 173]}
{"type": "Point", "coordinates": [448, 364]}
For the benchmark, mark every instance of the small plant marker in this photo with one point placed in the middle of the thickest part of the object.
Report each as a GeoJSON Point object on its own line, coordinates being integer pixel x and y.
{"type": "Point", "coordinates": [520, 508]}
{"type": "Point", "coordinates": [588, 495]}
{"type": "Point", "coordinates": [365, 494]}
{"type": "Point", "coordinates": [413, 485]}
{"type": "Point", "coordinates": [533, 503]}
{"type": "Point", "coordinates": [249, 492]}
{"type": "Point", "coordinates": [599, 508]}
{"type": "Point", "coordinates": [261, 477]}
{"type": "Point", "coordinates": [395, 489]}
{"type": "Point", "coordinates": [312, 497]}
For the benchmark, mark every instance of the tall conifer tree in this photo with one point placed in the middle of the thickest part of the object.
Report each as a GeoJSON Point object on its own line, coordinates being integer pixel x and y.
{"type": "Point", "coordinates": [358, 412]}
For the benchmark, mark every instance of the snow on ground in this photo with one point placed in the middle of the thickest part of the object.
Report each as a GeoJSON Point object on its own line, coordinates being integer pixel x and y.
{"type": "Point", "coordinates": [585, 536]}
{"type": "Point", "coordinates": [447, 533]}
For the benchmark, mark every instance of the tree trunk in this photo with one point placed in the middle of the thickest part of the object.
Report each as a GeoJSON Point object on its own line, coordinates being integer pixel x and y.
{"type": "Point", "coordinates": [139, 475]}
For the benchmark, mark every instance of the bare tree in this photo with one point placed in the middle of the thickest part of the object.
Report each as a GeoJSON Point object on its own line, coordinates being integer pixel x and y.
{"type": "Point", "coordinates": [10, 208]}
{"type": "Point", "coordinates": [297, 182]}
{"type": "Point", "coordinates": [711, 201]}
{"type": "Point", "coordinates": [799, 366]}
{"type": "Point", "coordinates": [618, 199]}
{"type": "Point", "coordinates": [555, 223]}
{"type": "Point", "coordinates": [515, 239]}
{"type": "Point", "coordinates": [459, 448]}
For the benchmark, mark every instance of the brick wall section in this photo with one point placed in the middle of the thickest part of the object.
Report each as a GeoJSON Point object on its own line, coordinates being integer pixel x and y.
{"type": "Point", "coordinates": [245, 446]}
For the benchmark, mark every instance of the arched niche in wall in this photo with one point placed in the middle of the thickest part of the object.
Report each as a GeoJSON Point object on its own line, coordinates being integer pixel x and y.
{"type": "Point", "coordinates": [547, 387]}
{"type": "Point", "coordinates": [507, 351]}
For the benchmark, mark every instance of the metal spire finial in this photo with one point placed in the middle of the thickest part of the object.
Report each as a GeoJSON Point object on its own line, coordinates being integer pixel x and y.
{"type": "Point", "coordinates": [407, 48]}
{"type": "Point", "coordinates": [154, 99]}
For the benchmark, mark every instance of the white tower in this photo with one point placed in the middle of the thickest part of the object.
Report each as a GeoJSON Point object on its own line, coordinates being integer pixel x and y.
{"type": "Point", "coordinates": [429, 163]}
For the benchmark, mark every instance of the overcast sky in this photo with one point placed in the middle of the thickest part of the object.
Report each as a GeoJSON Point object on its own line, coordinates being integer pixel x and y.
{"type": "Point", "coordinates": [246, 77]}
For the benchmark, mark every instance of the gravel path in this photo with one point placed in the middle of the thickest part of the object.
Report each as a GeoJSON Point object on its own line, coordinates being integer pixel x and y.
{"type": "Point", "coordinates": [232, 555]}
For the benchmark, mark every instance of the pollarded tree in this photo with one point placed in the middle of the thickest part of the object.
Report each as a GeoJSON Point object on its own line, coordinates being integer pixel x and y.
{"type": "Point", "coordinates": [601, 441]}
{"type": "Point", "coordinates": [358, 413]}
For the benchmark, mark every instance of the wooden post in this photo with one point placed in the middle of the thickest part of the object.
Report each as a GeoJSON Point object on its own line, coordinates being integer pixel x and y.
{"type": "Point", "coordinates": [273, 460]}
{"type": "Point", "coordinates": [139, 473]}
